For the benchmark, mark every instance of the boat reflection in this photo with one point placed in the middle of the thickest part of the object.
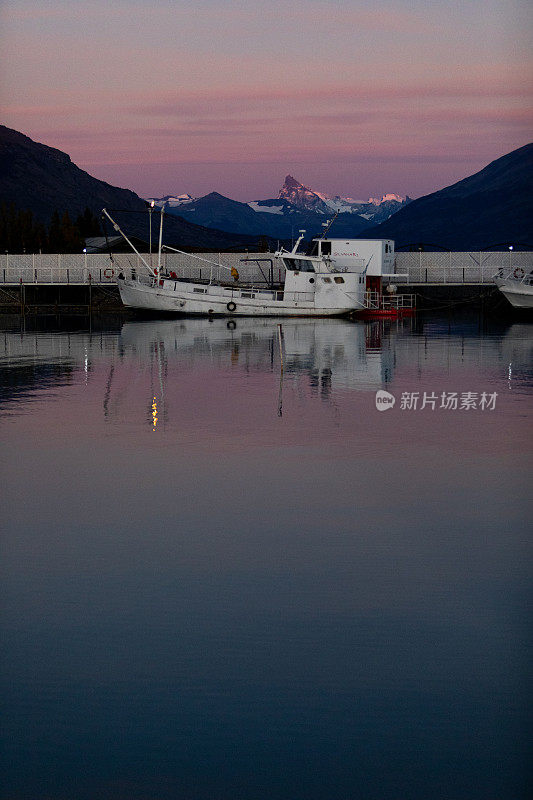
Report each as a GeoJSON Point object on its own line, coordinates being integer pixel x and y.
{"type": "Point", "coordinates": [329, 352]}
{"type": "Point", "coordinates": [319, 356]}
{"type": "Point", "coordinates": [323, 357]}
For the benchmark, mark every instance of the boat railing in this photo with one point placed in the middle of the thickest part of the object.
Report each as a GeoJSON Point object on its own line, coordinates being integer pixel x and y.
{"type": "Point", "coordinates": [517, 274]}
{"type": "Point", "coordinates": [201, 279]}
{"type": "Point", "coordinates": [231, 291]}
{"type": "Point", "coordinates": [399, 300]}
{"type": "Point", "coordinates": [376, 301]}
{"type": "Point", "coordinates": [372, 300]}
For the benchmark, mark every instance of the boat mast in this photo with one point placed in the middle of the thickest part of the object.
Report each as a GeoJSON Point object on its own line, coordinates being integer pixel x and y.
{"type": "Point", "coordinates": [329, 223]}
{"type": "Point", "coordinates": [117, 228]}
{"type": "Point", "coordinates": [160, 240]}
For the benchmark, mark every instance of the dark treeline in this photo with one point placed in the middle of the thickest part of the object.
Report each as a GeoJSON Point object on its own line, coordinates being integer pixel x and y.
{"type": "Point", "coordinates": [20, 232]}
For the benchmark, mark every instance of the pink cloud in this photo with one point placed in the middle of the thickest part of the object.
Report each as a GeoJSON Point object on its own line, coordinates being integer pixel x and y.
{"type": "Point", "coordinates": [176, 104]}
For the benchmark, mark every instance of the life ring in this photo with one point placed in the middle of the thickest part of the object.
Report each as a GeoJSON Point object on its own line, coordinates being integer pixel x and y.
{"type": "Point", "coordinates": [519, 273]}
{"type": "Point", "coordinates": [109, 272]}
{"type": "Point", "coordinates": [231, 306]}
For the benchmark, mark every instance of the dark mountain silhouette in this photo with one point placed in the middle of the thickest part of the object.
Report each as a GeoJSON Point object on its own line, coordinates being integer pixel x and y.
{"type": "Point", "coordinates": [494, 206]}
{"type": "Point", "coordinates": [216, 211]}
{"type": "Point", "coordinates": [41, 179]}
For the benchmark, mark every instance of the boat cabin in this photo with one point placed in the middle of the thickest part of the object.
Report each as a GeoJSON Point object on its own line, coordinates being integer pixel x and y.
{"type": "Point", "coordinates": [377, 255]}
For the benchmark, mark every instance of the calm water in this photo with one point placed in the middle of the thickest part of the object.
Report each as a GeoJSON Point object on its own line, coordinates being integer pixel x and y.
{"type": "Point", "coordinates": [225, 581]}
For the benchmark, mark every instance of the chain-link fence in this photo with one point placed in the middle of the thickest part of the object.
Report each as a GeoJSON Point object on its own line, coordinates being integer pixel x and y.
{"type": "Point", "coordinates": [99, 269]}
{"type": "Point", "coordinates": [459, 267]}
{"type": "Point", "coordinates": [74, 268]}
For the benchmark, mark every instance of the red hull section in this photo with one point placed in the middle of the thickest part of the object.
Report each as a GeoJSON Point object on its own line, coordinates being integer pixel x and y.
{"type": "Point", "coordinates": [380, 313]}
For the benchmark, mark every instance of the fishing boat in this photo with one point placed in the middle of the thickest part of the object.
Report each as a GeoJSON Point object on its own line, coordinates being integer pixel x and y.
{"type": "Point", "coordinates": [314, 286]}
{"type": "Point", "coordinates": [517, 286]}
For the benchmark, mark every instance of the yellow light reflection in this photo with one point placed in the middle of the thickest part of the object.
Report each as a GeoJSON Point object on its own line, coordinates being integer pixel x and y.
{"type": "Point", "coordinates": [154, 413]}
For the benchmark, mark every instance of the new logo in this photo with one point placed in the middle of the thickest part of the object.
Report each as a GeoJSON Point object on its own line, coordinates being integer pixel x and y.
{"type": "Point", "coordinates": [384, 400]}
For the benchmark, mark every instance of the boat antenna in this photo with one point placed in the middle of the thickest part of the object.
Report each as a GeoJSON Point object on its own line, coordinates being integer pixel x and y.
{"type": "Point", "coordinates": [150, 212]}
{"type": "Point", "coordinates": [326, 225]}
{"type": "Point", "coordinates": [329, 223]}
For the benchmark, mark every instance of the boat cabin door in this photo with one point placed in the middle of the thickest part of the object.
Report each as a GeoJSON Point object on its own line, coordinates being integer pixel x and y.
{"type": "Point", "coordinates": [373, 283]}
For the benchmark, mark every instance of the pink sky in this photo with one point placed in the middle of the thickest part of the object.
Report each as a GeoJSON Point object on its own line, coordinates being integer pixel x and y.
{"type": "Point", "coordinates": [352, 98]}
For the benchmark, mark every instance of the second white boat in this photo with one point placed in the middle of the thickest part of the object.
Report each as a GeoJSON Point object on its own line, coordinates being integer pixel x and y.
{"type": "Point", "coordinates": [516, 286]}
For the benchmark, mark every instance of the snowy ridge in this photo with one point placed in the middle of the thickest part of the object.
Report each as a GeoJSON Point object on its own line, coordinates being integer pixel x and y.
{"type": "Point", "coordinates": [256, 205]}
{"type": "Point", "coordinates": [387, 198]}
{"type": "Point", "coordinates": [171, 201]}
{"type": "Point", "coordinates": [308, 199]}
{"type": "Point", "coordinates": [296, 207]}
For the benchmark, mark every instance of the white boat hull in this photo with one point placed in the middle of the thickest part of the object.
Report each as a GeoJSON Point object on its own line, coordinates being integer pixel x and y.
{"type": "Point", "coordinates": [214, 300]}
{"type": "Point", "coordinates": [518, 293]}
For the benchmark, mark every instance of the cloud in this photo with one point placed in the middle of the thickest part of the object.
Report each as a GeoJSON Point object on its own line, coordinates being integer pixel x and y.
{"type": "Point", "coordinates": [186, 101]}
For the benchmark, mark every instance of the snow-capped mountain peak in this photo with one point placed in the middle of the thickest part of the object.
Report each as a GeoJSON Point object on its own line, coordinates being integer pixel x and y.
{"type": "Point", "coordinates": [387, 198]}
{"type": "Point", "coordinates": [310, 200]}
{"type": "Point", "coordinates": [302, 197]}
{"type": "Point", "coordinates": [296, 206]}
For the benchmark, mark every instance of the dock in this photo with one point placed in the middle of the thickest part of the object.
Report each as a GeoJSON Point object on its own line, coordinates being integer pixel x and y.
{"type": "Point", "coordinates": [86, 283]}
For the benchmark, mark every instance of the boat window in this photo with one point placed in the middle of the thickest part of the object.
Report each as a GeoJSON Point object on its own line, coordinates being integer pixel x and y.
{"type": "Point", "coordinates": [247, 294]}
{"type": "Point", "coordinates": [299, 264]}
{"type": "Point", "coordinates": [325, 248]}
{"type": "Point", "coordinates": [326, 280]}
{"type": "Point", "coordinates": [338, 279]}
{"type": "Point", "coordinates": [201, 291]}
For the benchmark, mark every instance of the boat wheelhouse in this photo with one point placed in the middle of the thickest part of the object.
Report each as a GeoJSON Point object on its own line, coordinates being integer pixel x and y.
{"type": "Point", "coordinates": [382, 298]}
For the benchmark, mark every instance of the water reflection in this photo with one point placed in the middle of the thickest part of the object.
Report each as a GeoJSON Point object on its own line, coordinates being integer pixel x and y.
{"type": "Point", "coordinates": [204, 599]}
{"type": "Point", "coordinates": [326, 355]}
